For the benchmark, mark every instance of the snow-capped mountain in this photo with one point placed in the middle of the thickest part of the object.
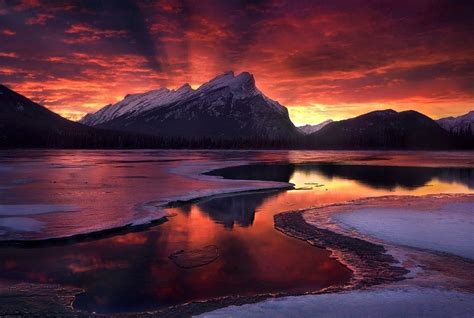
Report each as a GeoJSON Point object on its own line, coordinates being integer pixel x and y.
{"type": "Point", "coordinates": [227, 106]}
{"type": "Point", "coordinates": [463, 125]}
{"type": "Point", "coordinates": [309, 129]}
{"type": "Point", "coordinates": [134, 104]}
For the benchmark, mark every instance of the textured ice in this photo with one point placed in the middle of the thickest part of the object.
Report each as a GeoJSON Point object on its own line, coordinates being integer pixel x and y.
{"type": "Point", "coordinates": [21, 224]}
{"type": "Point", "coordinates": [449, 229]}
{"type": "Point", "coordinates": [32, 209]}
{"type": "Point", "coordinates": [4, 167]}
{"type": "Point", "coordinates": [409, 302]}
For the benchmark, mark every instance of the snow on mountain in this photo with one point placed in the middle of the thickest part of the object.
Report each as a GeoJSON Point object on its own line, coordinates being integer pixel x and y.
{"type": "Point", "coordinates": [459, 125]}
{"type": "Point", "coordinates": [309, 129]}
{"type": "Point", "coordinates": [228, 105]}
{"type": "Point", "coordinates": [242, 85]}
{"type": "Point", "coordinates": [137, 103]}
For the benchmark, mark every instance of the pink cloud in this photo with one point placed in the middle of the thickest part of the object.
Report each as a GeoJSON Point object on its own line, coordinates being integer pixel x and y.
{"type": "Point", "coordinates": [39, 19]}
{"type": "Point", "coordinates": [8, 54]}
{"type": "Point", "coordinates": [8, 32]}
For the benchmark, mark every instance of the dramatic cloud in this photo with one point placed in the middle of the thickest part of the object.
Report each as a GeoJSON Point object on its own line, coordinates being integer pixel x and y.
{"type": "Point", "coordinates": [322, 59]}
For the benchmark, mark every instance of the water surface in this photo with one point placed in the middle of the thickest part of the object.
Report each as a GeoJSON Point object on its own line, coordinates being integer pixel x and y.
{"type": "Point", "coordinates": [133, 271]}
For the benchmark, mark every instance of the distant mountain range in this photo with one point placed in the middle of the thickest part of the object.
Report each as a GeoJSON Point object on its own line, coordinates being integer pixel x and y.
{"type": "Point", "coordinates": [462, 125]}
{"type": "Point", "coordinates": [309, 129]}
{"type": "Point", "coordinates": [228, 106]}
{"type": "Point", "coordinates": [226, 112]}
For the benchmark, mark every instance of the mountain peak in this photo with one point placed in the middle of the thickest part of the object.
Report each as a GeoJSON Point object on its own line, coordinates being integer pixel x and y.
{"type": "Point", "coordinates": [388, 111]}
{"type": "Point", "coordinates": [242, 85]}
{"type": "Point", "coordinates": [185, 88]}
{"type": "Point", "coordinates": [245, 77]}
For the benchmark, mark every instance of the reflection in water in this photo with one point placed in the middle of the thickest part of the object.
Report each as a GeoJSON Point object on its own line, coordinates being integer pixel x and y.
{"type": "Point", "coordinates": [377, 177]}
{"type": "Point", "coordinates": [132, 272]}
{"type": "Point", "coordinates": [238, 209]}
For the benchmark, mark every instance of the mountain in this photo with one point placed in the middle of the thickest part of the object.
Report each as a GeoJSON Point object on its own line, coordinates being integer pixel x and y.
{"type": "Point", "coordinates": [461, 125]}
{"type": "Point", "coordinates": [134, 104]}
{"type": "Point", "coordinates": [24, 123]}
{"type": "Point", "coordinates": [226, 107]}
{"type": "Point", "coordinates": [309, 129]}
{"type": "Point", "coordinates": [385, 129]}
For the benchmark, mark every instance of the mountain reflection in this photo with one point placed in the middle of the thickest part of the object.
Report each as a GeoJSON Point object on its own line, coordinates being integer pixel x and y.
{"type": "Point", "coordinates": [273, 172]}
{"type": "Point", "coordinates": [238, 209]}
{"type": "Point", "coordinates": [376, 177]}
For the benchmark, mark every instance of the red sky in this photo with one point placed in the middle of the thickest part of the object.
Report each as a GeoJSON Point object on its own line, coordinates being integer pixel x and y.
{"type": "Point", "coordinates": [321, 59]}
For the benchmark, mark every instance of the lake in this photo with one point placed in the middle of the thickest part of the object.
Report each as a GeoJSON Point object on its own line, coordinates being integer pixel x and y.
{"type": "Point", "coordinates": [221, 243]}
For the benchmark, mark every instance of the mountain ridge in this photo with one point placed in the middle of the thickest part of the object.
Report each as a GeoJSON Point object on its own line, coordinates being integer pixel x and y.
{"type": "Point", "coordinates": [229, 105]}
{"type": "Point", "coordinates": [309, 129]}
{"type": "Point", "coordinates": [385, 129]}
{"type": "Point", "coordinates": [24, 123]}
{"type": "Point", "coordinates": [460, 125]}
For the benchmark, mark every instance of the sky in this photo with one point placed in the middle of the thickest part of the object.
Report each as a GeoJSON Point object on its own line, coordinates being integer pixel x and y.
{"type": "Point", "coordinates": [321, 59]}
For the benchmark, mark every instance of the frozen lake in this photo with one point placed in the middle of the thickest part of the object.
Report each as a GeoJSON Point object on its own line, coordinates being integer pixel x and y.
{"type": "Point", "coordinates": [57, 194]}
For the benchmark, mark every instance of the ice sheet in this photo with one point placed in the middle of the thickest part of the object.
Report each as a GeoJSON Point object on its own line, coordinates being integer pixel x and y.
{"type": "Point", "coordinates": [449, 229]}
{"type": "Point", "coordinates": [409, 302]}
{"type": "Point", "coordinates": [21, 224]}
{"type": "Point", "coordinates": [32, 209]}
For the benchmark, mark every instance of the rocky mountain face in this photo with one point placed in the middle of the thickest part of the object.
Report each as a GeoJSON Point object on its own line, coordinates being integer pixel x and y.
{"type": "Point", "coordinates": [309, 129]}
{"type": "Point", "coordinates": [228, 106]}
{"type": "Point", "coordinates": [461, 125]}
{"type": "Point", "coordinates": [385, 129]}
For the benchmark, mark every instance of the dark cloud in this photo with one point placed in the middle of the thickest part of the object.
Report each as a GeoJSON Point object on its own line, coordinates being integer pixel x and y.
{"type": "Point", "coordinates": [126, 15]}
{"type": "Point", "coordinates": [83, 54]}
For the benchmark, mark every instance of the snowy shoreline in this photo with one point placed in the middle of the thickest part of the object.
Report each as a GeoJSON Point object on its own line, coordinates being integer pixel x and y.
{"type": "Point", "coordinates": [435, 284]}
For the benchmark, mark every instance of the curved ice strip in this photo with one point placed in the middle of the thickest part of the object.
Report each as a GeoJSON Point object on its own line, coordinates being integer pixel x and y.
{"type": "Point", "coordinates": [449, 229]}
{"type": "Point", "coordinates": [408, 302]}
{"type": "Point", "coordinates": [32, 209]}
{"type": "Point", "coordinates": [21, 224]}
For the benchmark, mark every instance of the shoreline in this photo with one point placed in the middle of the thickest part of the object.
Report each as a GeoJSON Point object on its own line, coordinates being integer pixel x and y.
{"type": "Point", "coordinates": [369, 262]}
{"type": "Point", "coordinates": [374, 269]}
{"type": "Point", "coordinates": [362, 257]}
{"type": "Point", "coordinates": [409, 274]}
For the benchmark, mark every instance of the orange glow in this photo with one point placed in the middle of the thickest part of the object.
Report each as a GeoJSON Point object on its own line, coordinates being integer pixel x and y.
{"type": "Point", "coordinates": [320, 60]}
